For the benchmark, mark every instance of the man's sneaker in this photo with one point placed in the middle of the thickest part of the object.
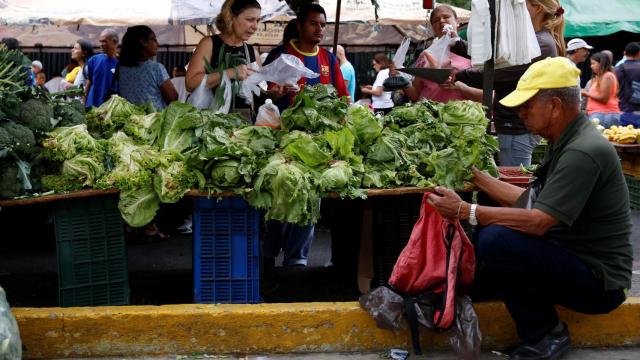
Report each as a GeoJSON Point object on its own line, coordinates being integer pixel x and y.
{"type": "Point", "coordinates": [550, 347]}
{"type": "Point", "coordinates": [185, 228]}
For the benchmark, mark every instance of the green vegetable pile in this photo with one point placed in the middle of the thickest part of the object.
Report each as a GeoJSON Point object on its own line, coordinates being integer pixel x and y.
{"type": "Point", "coordinates": [27, 114]}
{"type": "Point", "coordinates": [325, 147]}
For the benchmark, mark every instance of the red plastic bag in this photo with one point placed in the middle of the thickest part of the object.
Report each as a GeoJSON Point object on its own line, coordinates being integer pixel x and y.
{"type": "Point", "coordinates": [439, 259]}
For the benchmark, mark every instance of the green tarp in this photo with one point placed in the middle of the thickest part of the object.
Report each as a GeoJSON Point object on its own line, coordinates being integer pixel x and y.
{"type": "Point", "coordinates": [599, 18]}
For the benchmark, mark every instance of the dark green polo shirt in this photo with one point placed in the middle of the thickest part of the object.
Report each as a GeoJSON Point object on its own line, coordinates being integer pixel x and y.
{"type": "Point", "coordinates": [586, 192]}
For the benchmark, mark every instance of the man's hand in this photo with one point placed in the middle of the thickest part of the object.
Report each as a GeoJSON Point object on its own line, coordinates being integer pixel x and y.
{"type": "Point", "coordinates": [448, 204]}
{"type": "Point", "coordinates": [279, 91]}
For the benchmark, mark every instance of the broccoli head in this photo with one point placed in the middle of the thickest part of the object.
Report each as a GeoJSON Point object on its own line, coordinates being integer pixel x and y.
{"type": "Point", "coordinates": [69, 115]}
{"type": "Point", "coordinates": [21, 136]}
{"type": "Point", "coordinates": [36, 115]}
{"type": "Point", "coordinates": [77, 105]}
{"type": "Point", "coordinates": [10, 183]}
{"type": "Point", "coordinates": [5, 139]}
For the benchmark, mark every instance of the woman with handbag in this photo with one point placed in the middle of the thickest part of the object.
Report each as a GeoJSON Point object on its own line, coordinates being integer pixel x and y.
{"type": "Point", "coordinates": [380, 99]}
{"type": "Point", "coordinates": [230, 58]}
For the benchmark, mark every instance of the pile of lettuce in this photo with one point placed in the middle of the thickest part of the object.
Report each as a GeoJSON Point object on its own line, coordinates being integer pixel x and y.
{"type": "Point", "coordinates": [144, 155]}
{"type": "Point", "coordinates": [324, 147]}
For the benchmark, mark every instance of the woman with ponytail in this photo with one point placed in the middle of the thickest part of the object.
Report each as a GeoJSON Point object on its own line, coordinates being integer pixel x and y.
{"type": "Point", "coordinates": [516, 142]}
{"type": "Point", "coordinates": [236, 23]}
{"type": "Point", "coordinates": [142, 80]}
{"type": "Point", "coordinates": [548, 15]}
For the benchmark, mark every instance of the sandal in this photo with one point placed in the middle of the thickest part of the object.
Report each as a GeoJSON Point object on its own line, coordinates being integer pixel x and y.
{"type": "Point", "coordinates": [152, 234]}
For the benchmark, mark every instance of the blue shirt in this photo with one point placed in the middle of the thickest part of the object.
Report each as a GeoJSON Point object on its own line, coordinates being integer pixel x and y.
{"type": "Point", "coordinates": [349, 74]}
{"type": "Point", "coordinates": [100, 70]}
{"type": "Point", "coordinates": [141, 84]}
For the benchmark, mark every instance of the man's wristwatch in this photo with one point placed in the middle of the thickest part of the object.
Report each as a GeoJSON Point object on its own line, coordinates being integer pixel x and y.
{"type": "Point", "coordinates": [472, 215]}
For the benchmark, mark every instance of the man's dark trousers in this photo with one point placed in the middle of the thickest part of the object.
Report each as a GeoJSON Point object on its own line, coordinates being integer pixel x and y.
{"type": "Point", "coordinates": [530, 274]}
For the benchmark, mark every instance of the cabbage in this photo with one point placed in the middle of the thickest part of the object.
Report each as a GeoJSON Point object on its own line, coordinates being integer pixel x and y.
{"type": "Point", "coordinates": [145, 128]}
{"type": "Point", "coordinates": [286, 190]}
{"type": "Point", "coordinates": [138, 206]}
{"type": "Point", "coordinates": [336, 177]}
{"type": "Point", "coordinates": [179, 121]}
{"type": "Point", "coordinates": [389, 149]}
{"type": "Point", "coordinates": [364, 125]}
{"type": "Point", "coordinates": [84, 168]}
{"type": "Point", "coordinates": [339, 177]}
{"type": "Point", "coordinates": [464, 112]}
{"type": "Point", "coordinates": [315, 108]}
{"type": "Point", "coordinates": [133, 165]}
{"type": "Point", "coordinates": [341, 143]}
{"type": "Point", "coordinates": [302, 147]}
{"type": "Point", "coordinates": [259, 139]}
{"type": "Point", "coordinates": [171, 182]}
{"type": "Point", "coordinates": [112, 115]}
{"type": "Point", "coordinates": [225, 174]}
{"type": "Point", "coordinates": [63, 143]}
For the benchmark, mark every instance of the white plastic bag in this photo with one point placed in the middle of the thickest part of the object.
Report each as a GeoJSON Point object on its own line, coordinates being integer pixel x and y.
{"type": "Point", "coordinates": [285, 70]}
{"type": "Point", "coordinates": [225, 105]}
{"type": "Point", "coordinates": [10, 343]}
{"type": "Point", "coordinates": [268, 115]}
{"type": "Point", "coordinates": [440, 51]}
{"type": "Point", "coordinates": [201, 97]}
{"type": "Point", "coordinates": [516, 37]}
{"type": "Point", "coordinates": [401, 53]}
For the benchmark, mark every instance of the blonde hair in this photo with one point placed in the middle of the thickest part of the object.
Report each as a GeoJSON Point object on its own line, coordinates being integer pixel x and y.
{"type": "Point", "coordinates": [231, 9]}
{"type": "Point", "coordinates": [553, 21]}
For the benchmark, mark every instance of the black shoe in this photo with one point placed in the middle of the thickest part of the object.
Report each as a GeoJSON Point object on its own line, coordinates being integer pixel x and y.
{"type": "Point", "coordinates": [550, 347]}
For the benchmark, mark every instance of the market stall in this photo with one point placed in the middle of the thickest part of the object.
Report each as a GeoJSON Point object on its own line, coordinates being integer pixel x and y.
{"type": "Point", "coordinates": [325, 149]}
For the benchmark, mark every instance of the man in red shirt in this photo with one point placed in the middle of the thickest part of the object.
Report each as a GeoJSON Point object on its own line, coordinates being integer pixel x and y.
{"type": "Point", "coordinates": [311, 25]}
{"type": "Point", "coordinates": [293, 239]}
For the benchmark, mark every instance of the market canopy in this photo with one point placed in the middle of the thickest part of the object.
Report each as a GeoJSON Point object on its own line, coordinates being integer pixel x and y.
{"type": "Point", "coordinates": [163, 12]}
{"type": "Point", "coordinates": [119, 12]}
{"type": "Point", "coordinates": [597, 18]}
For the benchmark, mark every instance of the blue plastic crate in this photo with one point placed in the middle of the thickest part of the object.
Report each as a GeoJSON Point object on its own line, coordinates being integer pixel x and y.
{"type": "Point", "coordinates": [226, 250]}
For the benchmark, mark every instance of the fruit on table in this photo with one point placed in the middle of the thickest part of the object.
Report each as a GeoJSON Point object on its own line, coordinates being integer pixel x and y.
{"type": "Point", "coordinates": [622, 134]}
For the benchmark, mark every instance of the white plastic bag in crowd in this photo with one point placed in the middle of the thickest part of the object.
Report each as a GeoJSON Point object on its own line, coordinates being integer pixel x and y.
{"type": "Point", "coordinates": [516, 37]}
{"type": "Point", "coordinates": [440, 50]}
{"type": "Point", "coordinates": [479, 33]}
{"type": "Point", "coordinates": [285, 70]}
{"type": "Point", "coordinates": [401, 53]}
{"type": "Point", "coordinates": [10, 343]}
{"type": "Point", "coordinates": [201, 97]}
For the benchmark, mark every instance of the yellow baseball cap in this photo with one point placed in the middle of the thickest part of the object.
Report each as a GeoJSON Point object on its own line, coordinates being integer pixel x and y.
{"type": "Point", "coordinates": [550, 73]}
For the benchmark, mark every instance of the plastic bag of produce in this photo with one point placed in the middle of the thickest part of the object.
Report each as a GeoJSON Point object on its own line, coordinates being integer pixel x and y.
{"type": "Point", "coordinates": [439, 50]}
{"type": "Point", "coordinates": [10, 343]}
{"type": "Point", "coordinates": [201, 97]}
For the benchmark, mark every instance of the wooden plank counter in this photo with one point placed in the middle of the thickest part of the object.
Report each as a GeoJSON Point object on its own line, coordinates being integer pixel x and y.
{"type": "Point", "coordinates": [56, 197]}
{"type": "Point", "coordinates": [94, 192]}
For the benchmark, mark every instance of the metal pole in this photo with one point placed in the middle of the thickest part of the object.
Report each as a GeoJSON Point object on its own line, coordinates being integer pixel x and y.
{"type": "Point", "coordinates": [489, 70]}
{"type": "Point", "coordinates": [336, 27]}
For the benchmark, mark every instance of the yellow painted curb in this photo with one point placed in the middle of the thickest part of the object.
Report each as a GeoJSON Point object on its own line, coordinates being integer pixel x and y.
{"type": "Point", "coordinates": [271, 328]}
